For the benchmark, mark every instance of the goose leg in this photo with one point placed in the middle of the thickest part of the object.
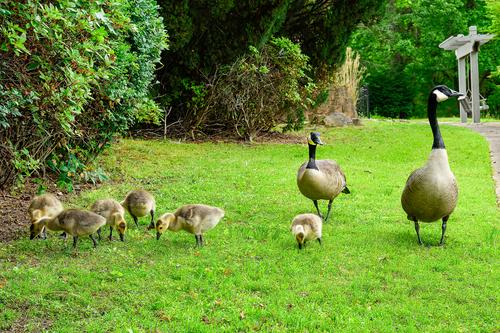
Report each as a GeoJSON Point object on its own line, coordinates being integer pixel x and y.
{"type": "Point", "coordinates": [135, 220]}
{"type": "Point", "coordinates": [75, 241]}
{"type": "Point", "coordinates": [152, 224]}
{"type": "Point", "coordinates": [93, 240]}
{"type": "Point", "coordinates": [197, 240]}
{"type": "Point", "coordinates": [99, 233]}
{"type": "Point", "coordinates": [443, 229]}
{"type": "Point", "coordinates": [110, 233]}
{"type": "Point", "coordinates": [417, 229]}
{"type": "Point", "coordinates": [329, 208]}
{"type": "Point", "coordinates": [317, 208]}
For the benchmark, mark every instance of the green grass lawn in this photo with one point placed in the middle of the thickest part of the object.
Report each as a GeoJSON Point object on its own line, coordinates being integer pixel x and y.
{"type": "Point", "coordinates": [369, 274]}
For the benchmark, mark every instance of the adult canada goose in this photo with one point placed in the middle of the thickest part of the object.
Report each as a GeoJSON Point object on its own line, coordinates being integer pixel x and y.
{"type": "Point", "coordinates": [195, 219]}
{"type": "Point", "coordinates": [431, 192]}
{"type": "Point", "coordinates": [74, 222]}
{"type": "Point", "coordinates": [113, 212]}
{"type": "Point", "coordinates": [320, 179]}
{"type": "Point", "coordinates": [140, 203]}
{"type": "Point", "coordinates": [306, 227]}
{"type": "Point", "coordinates": [45, 205]}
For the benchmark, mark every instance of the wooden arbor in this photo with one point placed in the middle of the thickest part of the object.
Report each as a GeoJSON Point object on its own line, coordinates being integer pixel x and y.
{"type": "Point", "coordinates": [467, 48]}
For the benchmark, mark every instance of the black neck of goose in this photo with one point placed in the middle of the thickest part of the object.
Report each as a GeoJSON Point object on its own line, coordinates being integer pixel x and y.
{"type": "Point", "coordinates": [312, 157]}
{"type": "Point", "coordinates": [438, 142]}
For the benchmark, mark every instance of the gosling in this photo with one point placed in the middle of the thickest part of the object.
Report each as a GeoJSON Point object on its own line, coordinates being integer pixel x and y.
{"type": "Point", "coordinates": [113, 212]}
{"type": "Point", "coordinates": [45, 205]}
{"type": "Point", "coordinates": [306, 227]}
{"type": "Point", "coordinates": [195, 219]}
{"type": "Point", "coordinates": [140, 203]}
{"type": "Point", "coordinates": [74, 222]}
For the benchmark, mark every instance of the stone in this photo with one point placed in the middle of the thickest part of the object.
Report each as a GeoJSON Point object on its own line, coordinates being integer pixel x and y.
{"type": "Point", "coordinates": [337, 119]}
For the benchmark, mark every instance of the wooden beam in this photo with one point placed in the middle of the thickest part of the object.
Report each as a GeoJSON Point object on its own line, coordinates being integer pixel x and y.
{"type": "Point", "coordinates": [462, 87]}
{"type": "Point", "coordinates": [474, 78]}
{"type": "Point", "coordinates": [464, 50]}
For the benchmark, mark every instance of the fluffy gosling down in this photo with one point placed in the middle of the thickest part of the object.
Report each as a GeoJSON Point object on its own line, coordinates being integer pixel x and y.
{"type": "Point", "coordinates": [140, 203]}
{"type": "Point", "coordinates": [195, 219]}
{"type": "Point", "coordinates": [45, 205]}
{"type": "Point", "coordinates": [114, 213]}
{"type": "Point", "coordinates": [75, 222]}
{"type": "Point", "coordinates": [307, 227]}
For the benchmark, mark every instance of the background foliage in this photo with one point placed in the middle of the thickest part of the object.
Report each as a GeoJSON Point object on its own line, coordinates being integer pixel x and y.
{"type": "Point", "coordinates": [208, 35]}
{"type": "Point", "coordinates": [403, 60]}
{"type": "Point", "coordinates": [72, 74]}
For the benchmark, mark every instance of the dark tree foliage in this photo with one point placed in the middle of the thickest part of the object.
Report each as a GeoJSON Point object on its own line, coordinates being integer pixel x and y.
{"type": "Point", "coordinates": [207, 34]}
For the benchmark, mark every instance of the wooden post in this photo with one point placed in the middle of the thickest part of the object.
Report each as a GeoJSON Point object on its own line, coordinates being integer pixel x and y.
{"type": "Point", "coordinates": [462, 87]}
{"type": "Point", "coordinates": [474, 74]}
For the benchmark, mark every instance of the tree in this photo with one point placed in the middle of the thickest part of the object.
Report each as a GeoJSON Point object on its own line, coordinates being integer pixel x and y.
{"type": "Point", "coordinates": [207, 35]}
{"type": "Point", "coordinates": [402, 49]}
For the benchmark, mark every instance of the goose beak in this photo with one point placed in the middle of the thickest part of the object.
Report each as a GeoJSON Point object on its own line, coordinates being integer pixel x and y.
{"type": "Point", "coordinates": [158, 235]}
{"type": "Point", "coordinates": [454, 93]}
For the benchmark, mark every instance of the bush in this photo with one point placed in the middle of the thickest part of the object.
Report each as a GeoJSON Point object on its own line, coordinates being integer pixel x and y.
{"type": "Point", "coordinates": [258, 91]}
{"type": "Point", "coordinates": [72, 74]}
{"type": "Point", "coordinates": [390, 96]}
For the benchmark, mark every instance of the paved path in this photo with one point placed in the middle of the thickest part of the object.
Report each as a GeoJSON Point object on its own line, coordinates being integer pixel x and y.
{"type": "Point", "coordinates": [491, 131]}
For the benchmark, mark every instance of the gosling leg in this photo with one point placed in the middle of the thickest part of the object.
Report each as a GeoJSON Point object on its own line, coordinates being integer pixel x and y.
{"type": "Point", "coordinates": [135, 220]}
{"type": "Point", "coordinates": [110, 233]}
{"type": "Point", "coordinates": [152, 224]}
{"type": "Point", "coordinates": [75, 241]}
{"type": "Point", "coordinates": [417, 229]}
{"type": "Point", "coordinates": [329, 209]}
{"type": "Point", "coordinates": [201, 240]}
{"type": "Point", "coordinates": [99, 233]}
{"type": "Point", "coordinates": [93, 240]}
{"type": "Point", "coordinates": [443, 229]}
{"type": "Point", "coordinates": [317, 208]}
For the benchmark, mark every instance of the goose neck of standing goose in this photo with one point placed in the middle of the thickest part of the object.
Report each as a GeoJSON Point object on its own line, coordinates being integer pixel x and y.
{"type": "Point", "coordinates": [438, 142]}
{"type": "Point", "coordinates": [312, 157]}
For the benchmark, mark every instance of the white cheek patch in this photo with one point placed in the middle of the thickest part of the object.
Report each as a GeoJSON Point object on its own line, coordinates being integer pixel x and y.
{"type": "Point", "coordinates": [440, 96]}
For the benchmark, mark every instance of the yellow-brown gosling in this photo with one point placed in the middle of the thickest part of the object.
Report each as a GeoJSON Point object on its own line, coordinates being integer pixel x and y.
{"type": "Point", "coordinates": [114, 213]}
{"type": "Point", "coordinates": [195, 219]}
{"type": "Point", "coordinates": [431, 192]}
{"type": "Point", "coordinates": [45, 205]}
{"type": "Point", "coordinates": [320, 179]}
{"type": "Point", "coordinates": [307, 227]}
{"type": "Point", "coordinates": [75, 222]}
{"type": "Point", "coordinates": [140, 203]}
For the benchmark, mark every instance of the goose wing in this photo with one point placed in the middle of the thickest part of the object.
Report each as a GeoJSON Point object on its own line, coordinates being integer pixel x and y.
{"type": "Point", "coordinates": [333, 172]}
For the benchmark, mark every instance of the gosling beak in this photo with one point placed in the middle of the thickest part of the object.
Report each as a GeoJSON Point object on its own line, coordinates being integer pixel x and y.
{"type": "Point", "coordinates": [122, 238]}
{"type": "Point", "coordinates": [158, 235]}
{"type": "Point", "coordinates": [300, 246]}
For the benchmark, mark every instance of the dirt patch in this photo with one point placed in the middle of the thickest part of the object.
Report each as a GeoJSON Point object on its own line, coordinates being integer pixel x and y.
{"type": "Point", "coordinates": [14, 221]}
{"type": "Point", "coordinates": [263, 138]}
